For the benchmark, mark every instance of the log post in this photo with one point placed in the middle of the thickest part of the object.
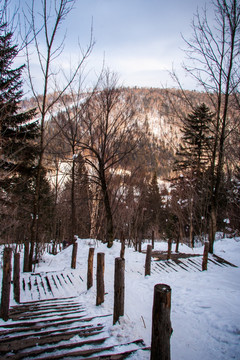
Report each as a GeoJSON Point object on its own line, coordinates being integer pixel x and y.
{"type": "Point", "coordinates": [26, 257]}
{"type": "Point", "coordinates": [161, 324]}
{"type": "Point", "coordinates": [16, 277]}
{"type": "Point", "coordinates": [205, 256]}
{"type": "Point", "coordinates": [6, 283]}
{"type": "Point", "coordinates": [169, 249]}
{"type": "Point", "coordinates": [74, 255]}
{"type": "Point", "coordinates": [90, 268]}
{"type": "Point", "coordinates": [100, 278]}
{"type": "Point", "coordinates": [148, 260]}
{"type": "Point", "coordinates": [153, 239]}
{"type": "Point", "coordinates": [119, 288]}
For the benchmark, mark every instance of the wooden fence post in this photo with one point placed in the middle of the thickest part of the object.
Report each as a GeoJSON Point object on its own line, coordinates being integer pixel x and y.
{"type": "Point", "coordinates": [100, 278]}
{"type": "Point", "coordinates": [26, 257]}
{"type": "Point", "coordinates": [205, 256]}
{"type": "Point", "coordinates": [148, 260]}
{"type": "Point", "coordinates": [6, 283]}
{"type": "Point", "coordinates": [152, 239]}
{"type": "Point", "coordinates": [169, 249]}
{"type": "Point", "coordinates": [119, 288]}
{"type": "Point", "coordinates": [74, 255]}
{"type": "Point", "coordinates": [161, 324]}
{"type": "Point", "coordinates": [90, 268]}
{"type": "Point", "coordinates": [16, 277]}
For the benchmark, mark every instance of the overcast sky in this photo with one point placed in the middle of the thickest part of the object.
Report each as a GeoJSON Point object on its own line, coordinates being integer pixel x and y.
{"type": "Point", "coordinates": [139, 39]}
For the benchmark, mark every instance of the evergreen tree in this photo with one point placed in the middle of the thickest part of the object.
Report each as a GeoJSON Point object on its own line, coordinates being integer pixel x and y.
{"type": "Point", "coordinates": [17, 129]}
{"type": "Point", "coordinates": [193, 153]}
{"type": "Point", "coordinates": [18, 143]}
{"type": "Point", "coordinates": [193, 160]}
{"type": "Point", "coordinates": [153, 202]}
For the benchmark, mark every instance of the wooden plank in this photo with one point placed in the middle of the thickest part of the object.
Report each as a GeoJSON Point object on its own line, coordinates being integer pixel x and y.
{"type": "Point", "coordinates": [19, 327]}
{"type": "Point", "coordinates": [49, 309]}
{"type": "Point", "coordinates": [43, 332]}
{"type": "Point", "coordinates": [30, 316]}
{"type": "Point", "coordinates": [194, 264]}
{"type": "Point", "coordinates": [168, 262]}
{"type": "Point", "coordinates": [162, 267]}
{"type": "Point", "coordinates": [179, 263]}
{"type": "Point", "coordinates": [188, 265]}
{"type": "Point", "coordinates": [35, 352]}
{"type": "Point", "coordinates": [119, 356]}
{"type": "Point", "coordinates": [30, 342]}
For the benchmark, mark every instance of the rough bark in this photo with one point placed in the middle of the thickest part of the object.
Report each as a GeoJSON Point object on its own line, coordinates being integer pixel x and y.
{"type": "Point", "coordinates": [100, 278]}
{"type": "Point", "coordinates": [74, 256]}
{"type": "Point", "coordinates": [161, 324]}
{"type": "Point", "coordinates": [26, 257]}
{"type": "Point", "coordinates": [169, 249]}
{"type": "Point", "coordinates": [6, 283]}
{"type": "Point", "coordinates": [205, 256]}
{"type": "Point", "coordinates": [16, 277]}
{"type": "Point", "coordinates": [148, 260]}
{"type": "Point", "coordinates": [153, 239]}
{"type": "Point", "coordinates": [90, 268]}
{"type": "Point", "coordinates": [119, 288]}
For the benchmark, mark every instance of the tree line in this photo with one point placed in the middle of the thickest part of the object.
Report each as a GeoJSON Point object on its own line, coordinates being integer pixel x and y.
{"type": "Point", "coordinates": [83, 169]}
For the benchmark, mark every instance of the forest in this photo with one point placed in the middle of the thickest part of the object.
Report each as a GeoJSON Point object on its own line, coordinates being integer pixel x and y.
{"type": "Point", "coordinates": [115, 162]}
{"type": "Point", "coordinates": [92, 169]}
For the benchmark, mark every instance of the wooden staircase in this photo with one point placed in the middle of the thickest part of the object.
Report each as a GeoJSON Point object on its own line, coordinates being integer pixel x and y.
{"type": "Point", "coordinates": [190, 263]}
{"type": "Point", "coordinates": [60, 329]}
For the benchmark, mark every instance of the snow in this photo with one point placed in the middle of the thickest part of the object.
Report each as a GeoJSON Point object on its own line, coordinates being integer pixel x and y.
{"type": "Point", "coordinates": [205, 312]}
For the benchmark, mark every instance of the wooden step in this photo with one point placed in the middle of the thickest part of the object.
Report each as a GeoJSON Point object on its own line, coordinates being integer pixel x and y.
{"type": "Point", "coordinates": [59, 329]}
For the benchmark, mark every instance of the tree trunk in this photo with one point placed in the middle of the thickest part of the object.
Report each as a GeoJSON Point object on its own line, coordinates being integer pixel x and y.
{"type": "Point", "coordinates": [177, 244]}
{"type": "Point", "coordinates": [109, 230]}
{"type": "Point", "coordinates": [30, 260]}
{"type": "Point", "coordinates": [74, 255]}
{"type": "Point", "coordinates": [73, 206]}
{"type": "Point", "coordinates": [26, 257]}
{"type": "Point", "coordinates": [152, 239]}
{"type": "Point", "coordinates": [169, 249]}
{"type": "Point", "coordinates": [212, 228]}
{"type": "Point", "coordinates": [122, 252]}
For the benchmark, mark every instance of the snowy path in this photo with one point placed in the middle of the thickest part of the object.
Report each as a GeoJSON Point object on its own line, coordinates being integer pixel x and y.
{"type": "Point", "coordinates": [59, 329]}
{"type": "Point", "coordinates": [51, 285]}
{"type": "Point", "coordinates": [205, 312]}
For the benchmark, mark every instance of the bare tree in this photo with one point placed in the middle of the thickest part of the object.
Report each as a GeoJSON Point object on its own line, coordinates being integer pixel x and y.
{"type": "Point", "coordinates": [53, 13]}
{"type": "Point", "coordinates": [213, 54]}
{"type": "Point", "coordinates": [109, 137]}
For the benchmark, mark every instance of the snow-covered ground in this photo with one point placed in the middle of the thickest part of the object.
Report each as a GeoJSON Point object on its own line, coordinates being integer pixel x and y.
{"type": "Point", "coordinates": [205, 311]}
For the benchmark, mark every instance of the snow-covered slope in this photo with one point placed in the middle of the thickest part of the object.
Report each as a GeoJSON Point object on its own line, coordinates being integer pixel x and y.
{"type": "Point", "coordinates": [205, 305]}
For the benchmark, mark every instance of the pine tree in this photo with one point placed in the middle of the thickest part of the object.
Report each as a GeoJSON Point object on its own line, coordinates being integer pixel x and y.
{"type": "Point", "coordinates": [153, 201]}
{"type": "Point", "coordinates": [193, 153]}
{"type": "Point", "coordinates": [193, 160]}
{"type": "Point", "coordinates": [17, 129]}
{"type": "Point", "coordinates": [18, 142]}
